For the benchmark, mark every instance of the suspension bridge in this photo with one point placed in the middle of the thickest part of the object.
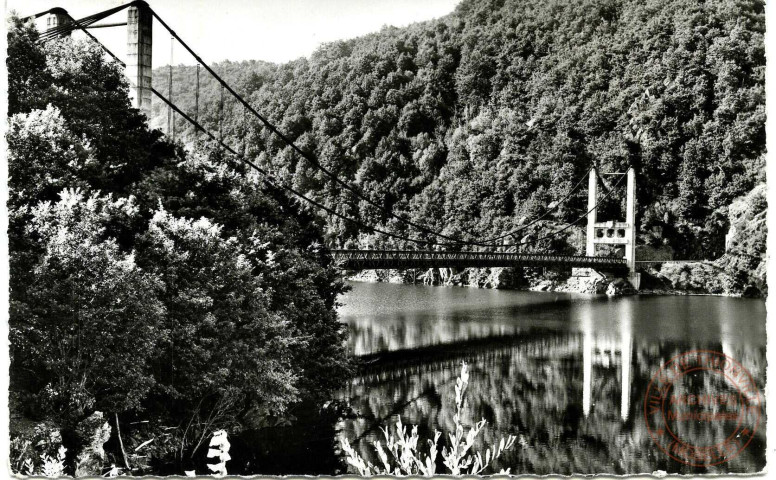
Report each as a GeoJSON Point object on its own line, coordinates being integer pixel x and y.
{"type": "Point", "coordinates": [447, 252]}
{"type": "Point", "coordinates": [407, 259]}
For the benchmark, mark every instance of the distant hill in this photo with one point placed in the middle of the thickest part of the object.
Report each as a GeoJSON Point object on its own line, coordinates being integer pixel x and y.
{"type": "Point", "coordinates": [476, 121]}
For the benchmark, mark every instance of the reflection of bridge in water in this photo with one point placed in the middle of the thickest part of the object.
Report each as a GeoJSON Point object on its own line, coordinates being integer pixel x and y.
{"type": "Point", "coordinates": [586, 336]}
{"type": "Point", "coordinates": [551, 388]}
{"type": "Point", "coordinates": [571, 387]}
{"type": "Point", "coordinates": [596, 351]}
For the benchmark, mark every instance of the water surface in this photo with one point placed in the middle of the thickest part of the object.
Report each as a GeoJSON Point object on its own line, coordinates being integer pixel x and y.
{"type": "Point", "coordinates": [565, 373]}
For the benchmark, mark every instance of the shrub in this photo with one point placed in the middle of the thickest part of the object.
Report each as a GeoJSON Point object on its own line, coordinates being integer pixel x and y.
{"type": "Point", "coordinates": [30, 450]}
{"type": "Point", "coordinates": [406, 458]}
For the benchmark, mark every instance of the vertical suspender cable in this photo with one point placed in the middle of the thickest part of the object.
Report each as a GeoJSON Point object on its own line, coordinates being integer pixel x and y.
{"type": "Point", "coordinates": [171, 87]}
{"type": "Point", "coordinates": [244, 131]}
{"type": "Point", "coordinates": [171, 132]}
{"type": "Point", "coordinates": [311, 158]}
{"type": "Point", "coordinates": [196, 102]}
{"type": "Point", "coordinates": [221, 116]}
{"type": "Point", "coordinates": [170, 128]}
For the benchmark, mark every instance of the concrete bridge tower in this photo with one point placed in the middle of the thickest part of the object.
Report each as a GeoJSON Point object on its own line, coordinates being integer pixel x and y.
{"type": "Point", "coordinates": [54, 18]}
{"type": "Point", "coordinates": [614, 232]}
{"type": "Point", "coordinates": [139, 49]}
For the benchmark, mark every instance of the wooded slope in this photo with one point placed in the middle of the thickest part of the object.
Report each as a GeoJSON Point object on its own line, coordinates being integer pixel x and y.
{"type": "Point", "coordinates": [476, 122]}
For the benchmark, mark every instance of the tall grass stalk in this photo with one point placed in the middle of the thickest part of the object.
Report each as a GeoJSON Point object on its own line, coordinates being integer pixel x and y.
{"type": "Point", "coordinates": [401, 455]}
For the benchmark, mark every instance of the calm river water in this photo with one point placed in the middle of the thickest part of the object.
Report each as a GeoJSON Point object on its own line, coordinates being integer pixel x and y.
{"type": "Point", "coordinates": [565, 373]}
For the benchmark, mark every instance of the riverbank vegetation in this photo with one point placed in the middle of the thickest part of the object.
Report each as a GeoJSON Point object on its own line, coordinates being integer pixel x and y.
{"type": "Point", "coordinates": [406, 457]}
{"type": "Point", "coordinates": [157, 295]}
{"type": "Point", "coordinates": [475, 123]}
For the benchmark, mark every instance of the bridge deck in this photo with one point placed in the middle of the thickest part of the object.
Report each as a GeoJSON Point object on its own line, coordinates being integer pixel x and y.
{"type": "Point", "coordinates": [406, 259]}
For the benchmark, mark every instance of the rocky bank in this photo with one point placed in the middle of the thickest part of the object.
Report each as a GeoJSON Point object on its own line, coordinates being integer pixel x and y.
{"type": "Point", "coordinates": [580, 281]}
{"type": "Point", "coordinates": [739, 272]}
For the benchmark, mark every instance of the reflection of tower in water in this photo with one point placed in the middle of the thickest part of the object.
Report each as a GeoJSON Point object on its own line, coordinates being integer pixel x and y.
{"type": "Point", "coordinates": [626, 347]}
{"type": "Point", "coordinates": [587, 358]}
{"type": "Point", "coordinates": [600, 349]}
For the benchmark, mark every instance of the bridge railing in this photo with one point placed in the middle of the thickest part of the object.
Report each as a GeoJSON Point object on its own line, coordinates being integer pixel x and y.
{"type": "Point", "coordinates": [659, 263]}
{"type": "Point", "coordinates": [380, 259]}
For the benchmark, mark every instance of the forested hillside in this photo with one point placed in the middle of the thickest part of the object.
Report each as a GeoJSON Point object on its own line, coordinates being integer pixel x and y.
{"type": "Point", "coordinates": [154, 294]}
{"type": "Point", "coordinates": [478, 121]}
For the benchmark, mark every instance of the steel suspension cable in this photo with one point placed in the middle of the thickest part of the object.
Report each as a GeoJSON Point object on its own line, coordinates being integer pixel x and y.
{"type": "Point", "coordinates": [307, 156]}
{"type": "Point", "coordinates": [82, 23]}
{"type": "Point", "coordinates": [547, 212]}
{"type": "Point", "coordinates": [310, 158]}
{"type": "Point", "coordinates": [268, 179]}
{"type": "Point", "coordinates": [267, 176]}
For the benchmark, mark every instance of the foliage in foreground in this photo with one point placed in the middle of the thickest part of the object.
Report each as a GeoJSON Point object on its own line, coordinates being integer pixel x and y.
{"type": "Point", "coordinates": [405, 456]}
{"type": "Point", "coordinates": [53, 467]}
{"type": "Point", "coordinates": [171, 290]}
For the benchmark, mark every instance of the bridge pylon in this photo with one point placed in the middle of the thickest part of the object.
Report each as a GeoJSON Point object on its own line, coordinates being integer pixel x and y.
{"type": "Point", "coordinates": [614, 232]}
{"type": "Point", "coordinates": [56, 17]}
{"type": "Point", "coordinates": [139, 49]}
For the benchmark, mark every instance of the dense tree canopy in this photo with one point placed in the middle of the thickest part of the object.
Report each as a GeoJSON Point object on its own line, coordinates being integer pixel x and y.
{"type": "Point", "coordinates": [472, 123]}
{"type": "Point", "coordinates": [148, 280]}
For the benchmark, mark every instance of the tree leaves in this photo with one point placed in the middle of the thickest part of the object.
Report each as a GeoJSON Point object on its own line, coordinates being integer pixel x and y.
{"type": "Point", "coordinates": [514, 90]}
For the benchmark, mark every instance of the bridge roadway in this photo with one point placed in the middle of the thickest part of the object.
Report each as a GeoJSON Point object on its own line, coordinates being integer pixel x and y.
{"type": "Point", "coordinates": [422, 259]}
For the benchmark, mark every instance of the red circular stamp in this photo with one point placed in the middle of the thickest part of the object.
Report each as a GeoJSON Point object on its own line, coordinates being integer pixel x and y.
{"type": "Point", "coordinates": [702, 408]}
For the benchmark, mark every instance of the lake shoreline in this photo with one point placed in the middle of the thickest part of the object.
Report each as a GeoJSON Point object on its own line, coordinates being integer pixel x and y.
{"type": "Point", "coordinates": [504, 279]}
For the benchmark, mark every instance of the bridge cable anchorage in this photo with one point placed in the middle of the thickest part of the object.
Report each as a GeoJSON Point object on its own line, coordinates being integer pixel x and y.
{"type": "Point", "coordinates": [311, 159]}
{"type": "Point", "coordinates": [268, 176]}
{"type": "Point", "coordinates": [96, 40]}
{"type": "Point", "coordinates": [38, 15]}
